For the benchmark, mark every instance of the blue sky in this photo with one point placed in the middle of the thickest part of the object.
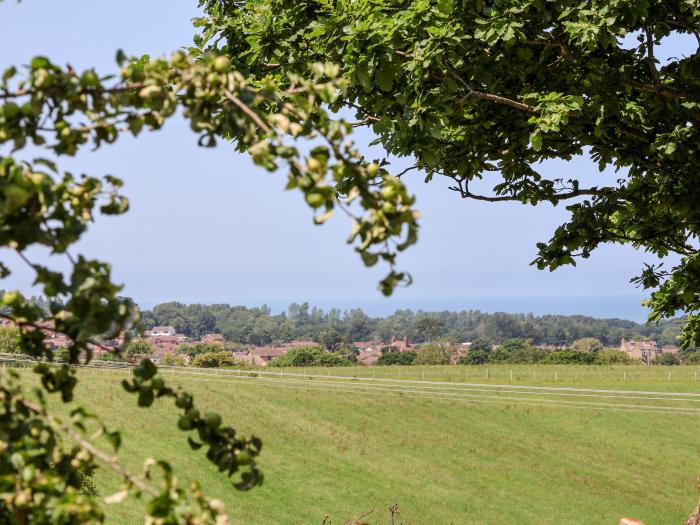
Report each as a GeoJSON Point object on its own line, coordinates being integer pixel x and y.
{"type": "Point", "coordinates": [206, 225]}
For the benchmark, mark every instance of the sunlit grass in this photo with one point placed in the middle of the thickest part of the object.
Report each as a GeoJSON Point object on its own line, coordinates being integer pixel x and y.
{"type": "Point", "coordinates": [341, 454]}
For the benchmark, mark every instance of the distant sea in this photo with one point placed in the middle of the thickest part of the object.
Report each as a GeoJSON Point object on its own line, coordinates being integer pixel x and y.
{"type": "Point", "coordinates": [622, 306]}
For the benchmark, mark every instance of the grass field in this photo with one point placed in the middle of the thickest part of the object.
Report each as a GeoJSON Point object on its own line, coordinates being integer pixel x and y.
{"type": "Point", "coordinates": [446, 452]}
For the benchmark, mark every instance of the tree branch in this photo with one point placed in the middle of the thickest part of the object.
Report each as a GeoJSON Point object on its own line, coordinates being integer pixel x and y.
{"type": "Point", "coordinates": [650, 58]}
{"type": "Point", "coordinates": [463, 189]}
{"type": "Point", "coordinates": [245, 109]}
{"type": "Point", "coordinates": [111, 462]}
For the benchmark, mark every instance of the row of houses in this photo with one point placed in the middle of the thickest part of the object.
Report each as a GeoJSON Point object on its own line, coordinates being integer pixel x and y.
{"type": "Point", "coordinates": [165, 340]}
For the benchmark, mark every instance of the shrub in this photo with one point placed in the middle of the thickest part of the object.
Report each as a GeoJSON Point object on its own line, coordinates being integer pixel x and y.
{"type": "Point", "coordinates": [214, 360]}
{"type": "Point", "coordinates": [196, 349]}
{"type": "Point", "coordinates": [692, 358]}
{"type": "Point", "coordinates": [612, 356]}
{"type": "Point", "coordinates": [137, 350]}
{"type": "Point", "coordinates": [474, 357]}
{"type": "Point", "coordinates": [667, 359]}
{"type": "Point", "coordinates": [397, 358]}
{"type": "Point", "coordinates": [570, 357]}
{"type": "Point", "coordinates": [435, 354]}
{"type": "Point", "coordinates": [172, 360]}
{"type": "Point", "coordinates": [309, 356]}
{"type": "Point", "coordinates": [587, 344]}
{"type": "Point", "coordinates": [108, 356]}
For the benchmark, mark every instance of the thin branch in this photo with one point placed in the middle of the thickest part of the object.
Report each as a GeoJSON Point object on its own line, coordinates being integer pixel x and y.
{"type": "Point", "coordinates": [111, 462]}
{"type": "Point", "coordinates": [402, 173]}
{"type": "Point", "coordinates": [245, 109]}
{"type": "Point", "coordinates": [463, 190]}
{"type": "Point", "coordinates": [489, 96]}
{"type": "Point", "coordinates": [364, 121]}
{"type": "Point", "coordinates": [650, 57]}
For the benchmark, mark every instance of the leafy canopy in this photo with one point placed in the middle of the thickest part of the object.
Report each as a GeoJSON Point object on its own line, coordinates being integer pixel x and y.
{"type": "Point", "coordinates": [484, 90]}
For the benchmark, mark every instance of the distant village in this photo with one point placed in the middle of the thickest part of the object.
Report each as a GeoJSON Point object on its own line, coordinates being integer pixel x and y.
{"type": "Point", "coordinates": [164, 340]}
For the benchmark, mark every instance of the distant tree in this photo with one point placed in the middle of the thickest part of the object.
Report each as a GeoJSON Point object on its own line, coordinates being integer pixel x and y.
{"type": "Point", "coordinates": [349, 352]}
{"type": "Point", "coordinates": [397, 358]}
{"type": "Point", "coordinates": [613, 356]}
{"type": "Point", "coordinates": [390, 349]}
{"type": "Point", "coordinates": [308, 356]}
{"type": "Point", "coordinates": [428, 328]}
{"type": "Point", "coordinates": [666, 359]}
{"type": "Point", "coordinates": [481, 345]}
{"type": "Point", "coordinates": [434, 354]}
{"type": "Point", "coordinates": [515, 344]}
{"type": "Point", "coordinates": [196, 349]}
{"type": "Point", "coordinates": [109, 356]}
{"type": "Point", "coordinates": [214, 360]}
{"type": "Point", "coordinates": [587, 344]}
{"type": "Point", "coordinates": [331, 339]}
{"type": "Point", "coordinates": [137, 349]}
{"type": "Point", "coordinates": [172, 360]}
{"type": "Point", "coordinates": [358, 326]}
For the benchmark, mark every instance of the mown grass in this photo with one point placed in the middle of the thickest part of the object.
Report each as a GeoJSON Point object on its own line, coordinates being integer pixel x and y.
{"type": "Point", "coordinates": [444, 462]}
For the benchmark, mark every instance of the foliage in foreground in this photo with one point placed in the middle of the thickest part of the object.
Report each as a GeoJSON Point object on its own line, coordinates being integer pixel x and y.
{"type": "Point", "coordinates": [483, 90]}
{"type": "Point", "coordinates": [63, 111]}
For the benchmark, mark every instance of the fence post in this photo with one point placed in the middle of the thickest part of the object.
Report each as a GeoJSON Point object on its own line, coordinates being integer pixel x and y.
{"type": "Point", "coordinates": [487, 374]}
{"type": "Point", "coordinates": [696, 376]}
{"type": "Point", "coordinates": [624, 375]}
{"type": "Point", "coordinates": [669, 376]}
{"type": "Point", "coordinates": [556, 375]}
{"type": "Point", "coordinates": [511, 375]}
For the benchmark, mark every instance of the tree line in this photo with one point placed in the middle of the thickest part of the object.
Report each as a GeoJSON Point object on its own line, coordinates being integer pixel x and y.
{"type": "Point", "coordinates": [259, 326]}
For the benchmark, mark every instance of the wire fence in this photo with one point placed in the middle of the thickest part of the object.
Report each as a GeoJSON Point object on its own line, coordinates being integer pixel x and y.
{"type": "Point", "coordinates": [421, 386]}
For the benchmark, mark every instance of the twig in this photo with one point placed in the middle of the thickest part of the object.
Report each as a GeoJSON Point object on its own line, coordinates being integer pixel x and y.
{"type": "Point", "coordinates": [402, 173]}
{"type": "Point", "coordinates": [111, 462]}
{"type": "Point", "coordinates": [489, 96]}
{"type": "Point", "coordinates": [245, 109]}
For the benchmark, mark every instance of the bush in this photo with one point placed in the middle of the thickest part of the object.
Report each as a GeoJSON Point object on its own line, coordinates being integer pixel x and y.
{"type": "Point", "coordinates": [172, 360]}
{"type": "Point", "coordinates": [109, 356]}
{"type": "Point", "coordinates": [570, 357]}
{"type": "Point", "coordinates": [612, 356]}
{"type": "Point", "coordinates": [692, 358]}
{"type": "Point", "coordinates": [587, 344]}
{"type": "Point", "coordinates": [196, 349]}
{"type": "Point", "coordinates": [474, 357]}
{"type": "Point", "coordinates": [137, 349]}
{"type": "Point", "coordinates": [309, 356]}
{"type": "Point", "coordinates": [435, 354]}
{"type": "Point", "coordinates": [667, 360]}
{"type": "Point", "coordinates": [214, 360]}
{"type": "Point", "coordinates": [397, 358]}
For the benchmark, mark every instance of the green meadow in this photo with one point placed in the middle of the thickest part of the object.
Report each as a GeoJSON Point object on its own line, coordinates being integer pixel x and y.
{"type": "Point", "coordinates": [444, 456]}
